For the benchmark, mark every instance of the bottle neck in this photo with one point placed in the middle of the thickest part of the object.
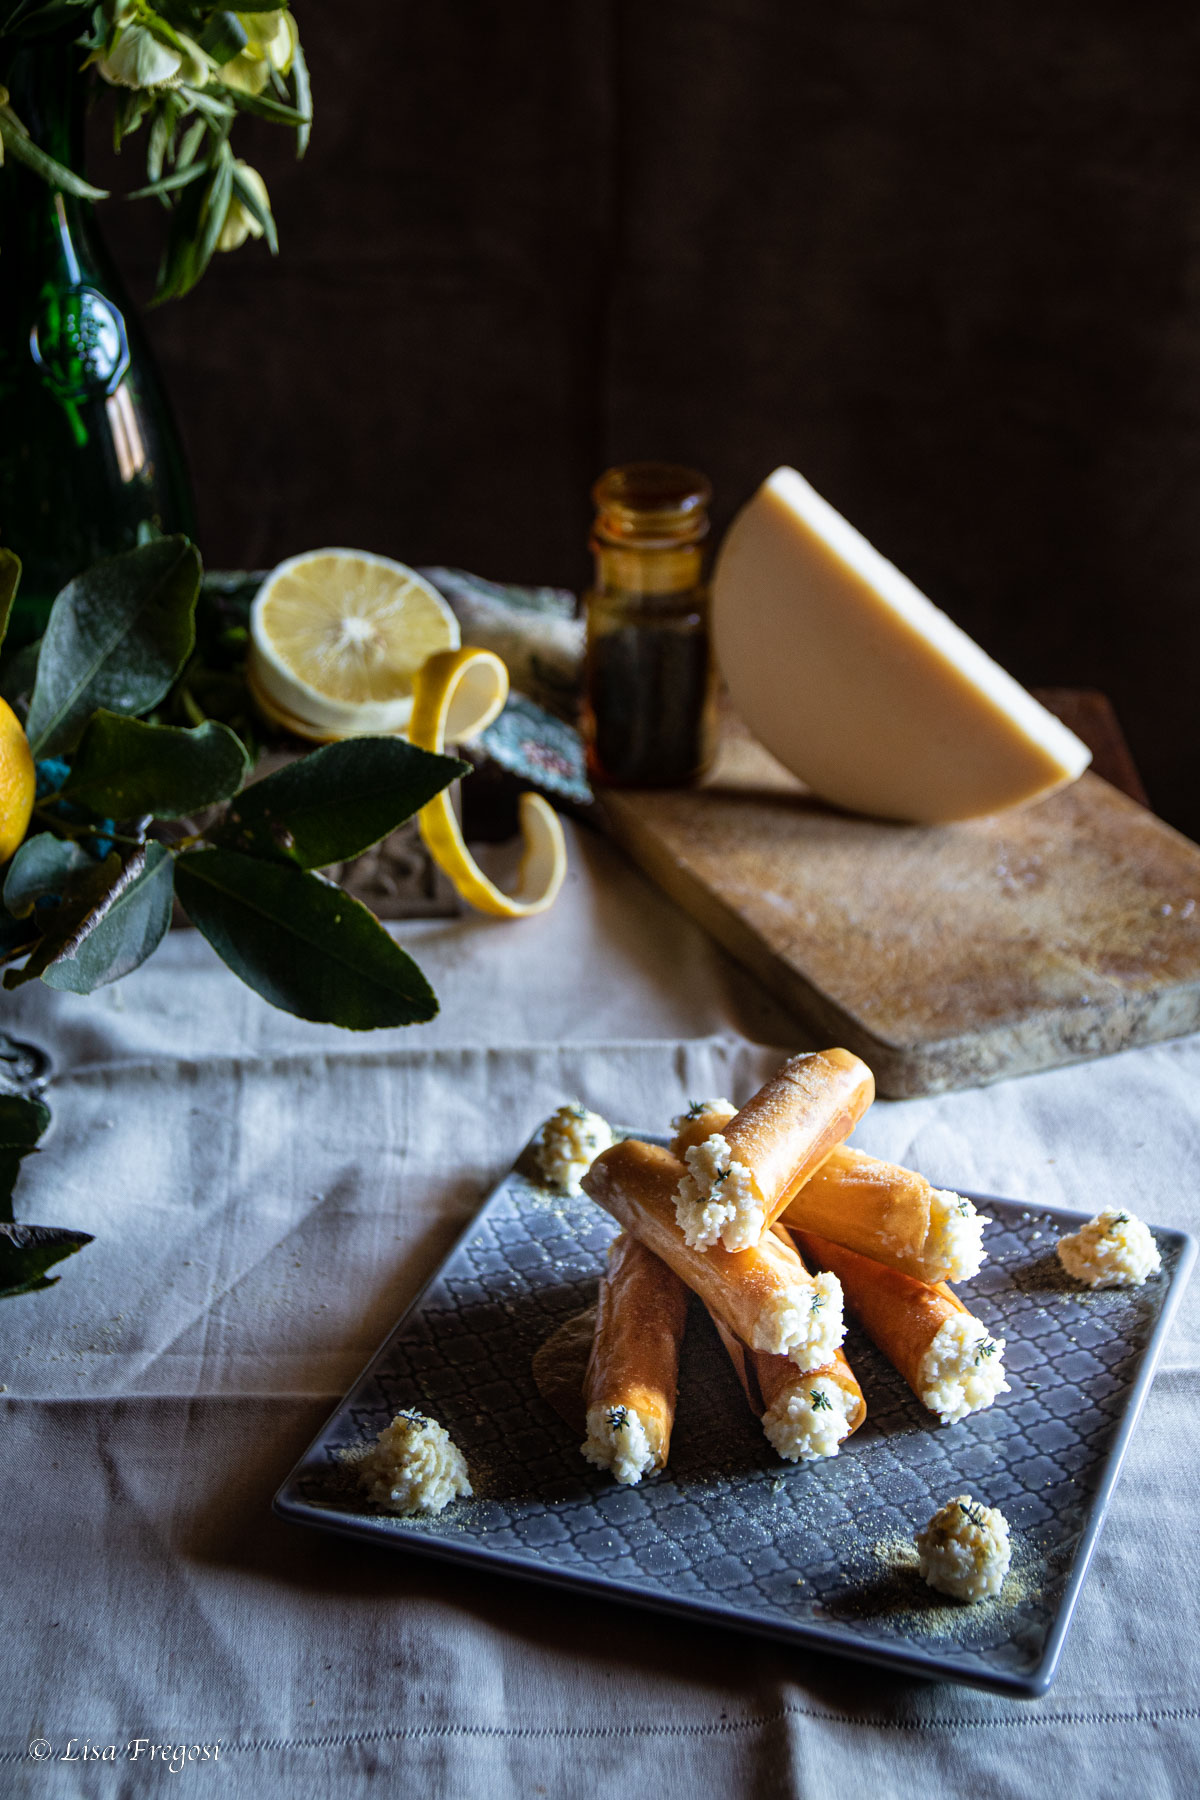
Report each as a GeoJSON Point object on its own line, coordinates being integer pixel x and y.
{"type": "Point", "coordinates": [47, 91]}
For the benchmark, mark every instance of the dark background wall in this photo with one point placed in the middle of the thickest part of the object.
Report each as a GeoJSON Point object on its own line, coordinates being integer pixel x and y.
{"type": "Point", "coordinates": [944, 259]}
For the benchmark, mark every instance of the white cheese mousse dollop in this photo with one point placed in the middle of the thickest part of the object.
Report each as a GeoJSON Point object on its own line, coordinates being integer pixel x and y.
{"type": "Point", "coordinates": [963, 1369]}
{"type": "Point", "coordinates": [955, 1240]}
{"type": "Point", "coordinates": [1114, 1249]}
{"type": "Point", "coordinates": [617, 1441]}
{"type": "Point", "coordinates": [719, 1111]}
{"type": "Point", "coordinates": [809, 1420]}
{"type": "Point", "coordinates": [717, 1201]}
{"type": "Point", "coordinates": [805, 1323]}
{"type": "Point", "coordinates": [571, 1140]}
{"type": "Point", "coordinates": [414, 1466]}
{"type": "Point", "coordinates": [964, 1551]}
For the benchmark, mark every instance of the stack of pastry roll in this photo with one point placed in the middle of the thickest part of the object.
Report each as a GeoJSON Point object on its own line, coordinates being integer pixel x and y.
{"type": "Point", "coordinates": [894, 1241]}
{"type": "Point", "coordinates": [725, 1212]}
{"type": "Point", "coordinates": [763, 1295]}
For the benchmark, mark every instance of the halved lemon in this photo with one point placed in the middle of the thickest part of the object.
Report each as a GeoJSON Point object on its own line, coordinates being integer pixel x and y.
{"type": "Point", "coordinates": [336, 638]}
{"type": "Point", "coordinates": [451, 690]}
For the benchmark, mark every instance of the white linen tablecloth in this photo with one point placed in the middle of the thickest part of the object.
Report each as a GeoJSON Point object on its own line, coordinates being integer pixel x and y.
{"type": "Point", "coordinates": [267, 1196]}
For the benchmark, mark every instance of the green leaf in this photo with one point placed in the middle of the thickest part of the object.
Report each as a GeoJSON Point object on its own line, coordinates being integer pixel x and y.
{"type": "Point", "coordinates": [275, 110]}
{"type": "Point", "coordinates": [302, 943]}
{"type": "Point", "coordinates": [111, 919]}
{"type": "Point", "coordinates": [23, 1120]}
{"type": "Point", "coordinates": [336, 802]}
{"type": "Point", "coordinates": [124, 769]}
{"type": "Point", "coordinates": [180, 178]}
{"type": "Point", "coordinates": [213, 213]}
{"type": "Point", "coordinates": [10, 575]}
{"type": "Point", "coordinates": [19, 144]}
{"type": "Point", "coordinates": [304, 105]}
{"type": "Point", "coordinates": [44, 864]}
{"type": "Point", "coordinates": [27, 1251]}
{"type": "Point", "coordinates": [118, 635]}
{"type": "Point", "coordinates": [224, 36]}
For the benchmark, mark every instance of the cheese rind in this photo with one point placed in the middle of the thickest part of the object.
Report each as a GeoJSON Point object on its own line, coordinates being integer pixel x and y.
{"type": "Point", "coordinates": [858, 684]}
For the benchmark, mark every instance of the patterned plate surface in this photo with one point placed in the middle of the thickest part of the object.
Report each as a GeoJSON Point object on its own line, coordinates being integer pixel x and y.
{"type": "Point", "coordinates": [818, 1554]}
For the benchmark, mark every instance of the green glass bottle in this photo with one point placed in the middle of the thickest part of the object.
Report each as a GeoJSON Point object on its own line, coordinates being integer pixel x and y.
{"type": "Point", "coordinates": [90, 460]}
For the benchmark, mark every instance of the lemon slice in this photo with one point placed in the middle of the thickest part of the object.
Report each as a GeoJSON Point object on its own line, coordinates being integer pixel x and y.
{"type": "Point", "coordinates": [336, 637]}
{"type": "Point", "coordinates": [447, 690]}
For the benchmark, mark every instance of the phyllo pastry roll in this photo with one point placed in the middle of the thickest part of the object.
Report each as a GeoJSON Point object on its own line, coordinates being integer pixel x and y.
{"type": "Point", "coordinates": [946, 1355]}
{"type": "Point", "coordinates": [891, 1214]}
{"type": "Point", "coordinates": [738, 1178]}
{"type": "Point", "coordinates": [633, 1370]}
{"type": "Point", "coordinates": [805, 1417]}
{"type": "Point", "coordinates": [764, 1295]}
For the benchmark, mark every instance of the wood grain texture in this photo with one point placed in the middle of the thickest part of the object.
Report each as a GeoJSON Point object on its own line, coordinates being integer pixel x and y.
{"type": "Point", "coordinates": [944, 956]}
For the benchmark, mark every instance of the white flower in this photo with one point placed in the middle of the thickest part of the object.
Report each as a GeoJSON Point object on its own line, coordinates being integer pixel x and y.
{"type": "Point", "coordinates": [240, 222]}
{"type": "Point", "coordinates": [271, 39]}
{"type": "Point", "coordinates": [136, 58]}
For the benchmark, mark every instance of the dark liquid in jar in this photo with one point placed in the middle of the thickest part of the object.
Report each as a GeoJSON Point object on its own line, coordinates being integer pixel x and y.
{"type": "Point", "coordinates": [649, 705]}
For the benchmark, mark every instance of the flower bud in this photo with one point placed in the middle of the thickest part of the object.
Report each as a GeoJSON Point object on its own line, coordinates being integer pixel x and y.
{"type": "Point", "coordinates": [240, 222]}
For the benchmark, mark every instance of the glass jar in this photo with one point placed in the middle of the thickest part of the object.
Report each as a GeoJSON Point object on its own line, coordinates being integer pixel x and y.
{"type": "Point", "coordinates": [648, 703]}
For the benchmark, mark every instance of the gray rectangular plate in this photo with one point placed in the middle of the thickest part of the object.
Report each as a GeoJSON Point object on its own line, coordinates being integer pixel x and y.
{"type": "Point", "coordinates": [816, 1554]}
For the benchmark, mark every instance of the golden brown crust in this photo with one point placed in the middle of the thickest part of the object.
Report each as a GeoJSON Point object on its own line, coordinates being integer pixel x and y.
{"type": "Point", "coordinates": [788, 1129]}
{"type": "Point", "coordinates": [634, 1362]}
{"type": "Point", "coordinates": [636, 1183]}
{"type": "Point", "coordinates": [765, 1378]}
{"type": "Point", "coordinates": [560, 1364]}
{"type": "Point", "coordinates": [901, 1316]}
{"type": "Point", "coordinates": [877, 1208]}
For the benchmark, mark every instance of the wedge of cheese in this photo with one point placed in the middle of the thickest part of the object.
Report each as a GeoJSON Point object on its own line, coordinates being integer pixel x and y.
{"type": "Point", "coordinates": [858, 684]}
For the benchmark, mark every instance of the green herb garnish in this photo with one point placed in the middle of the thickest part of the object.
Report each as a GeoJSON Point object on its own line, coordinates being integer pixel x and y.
{"type": "Point", "coordinates": [821, 1402]}
{"type": "Point", "coordinates": [973, 1511]}
{"type": "Point", "coordinates": [1121, 1219]}
{"type": "Point", "coordinates": [618, 1418]}
{"type": "Point", "coordinates": [818, 1300]}
{"type": "Point", "coordinates": [987, 1348]}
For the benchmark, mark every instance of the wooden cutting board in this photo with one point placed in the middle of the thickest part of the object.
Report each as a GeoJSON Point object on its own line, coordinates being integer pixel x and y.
{"type": "Point", "coordinates": [945, 956]}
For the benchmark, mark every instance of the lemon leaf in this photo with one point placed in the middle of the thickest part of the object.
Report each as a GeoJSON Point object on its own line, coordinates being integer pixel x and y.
{"type": "Point", "coordinates": [22, 1121]}
{"type": "Point", "coordinates": [44, 865]}
{"type": "Point", "coordinates": [336, 802]}
{"type": "Point", "coordinates": [10, 575]}
{"type": "Point", "coordinates": [118, 636]}
{"type": "Point", "coordinates": [111, 918]}
{"type": "Point", "coordinates": [302, 943]}
{"type": "Point", "coordinates": [124, 768]}
{"type": "Point", "coordinates": [27, 1251]}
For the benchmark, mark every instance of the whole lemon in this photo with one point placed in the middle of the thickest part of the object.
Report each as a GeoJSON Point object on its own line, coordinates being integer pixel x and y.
{"type": "Point", "coordinates": [18, 781]}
